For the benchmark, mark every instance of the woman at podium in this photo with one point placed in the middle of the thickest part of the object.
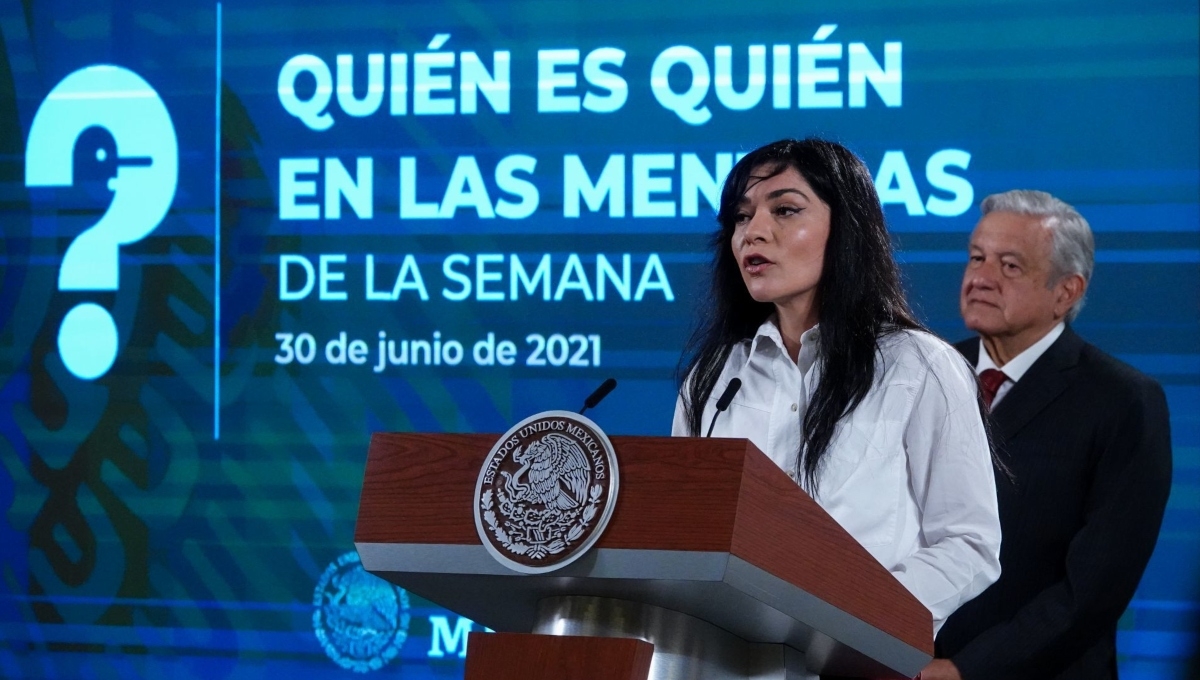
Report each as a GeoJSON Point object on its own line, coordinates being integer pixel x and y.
{"type": "Point", "coordinates": [840, 385]}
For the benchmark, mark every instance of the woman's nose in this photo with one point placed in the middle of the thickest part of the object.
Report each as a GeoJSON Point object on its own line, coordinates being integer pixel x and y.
{"type": "Point", "coordinates": [756, 229]}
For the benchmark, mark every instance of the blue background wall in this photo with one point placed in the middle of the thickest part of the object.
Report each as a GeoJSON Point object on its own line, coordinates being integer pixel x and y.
{"type": "Point", "coordinates": [190, 510]}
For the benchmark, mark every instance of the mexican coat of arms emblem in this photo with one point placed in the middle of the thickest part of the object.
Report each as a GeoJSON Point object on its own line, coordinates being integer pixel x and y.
{"type": "Point", "coordinates": [546, 491]}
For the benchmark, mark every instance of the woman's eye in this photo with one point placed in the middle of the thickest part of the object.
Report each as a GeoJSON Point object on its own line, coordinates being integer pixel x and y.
{"type": "Point", "coordinates": [785, 210]}
{"type": "Point", "coordinates": [741, 218]}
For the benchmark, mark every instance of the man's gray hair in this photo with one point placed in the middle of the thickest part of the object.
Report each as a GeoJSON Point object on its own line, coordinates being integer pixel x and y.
{"type": "Point", "coordinates": [1073, 250]}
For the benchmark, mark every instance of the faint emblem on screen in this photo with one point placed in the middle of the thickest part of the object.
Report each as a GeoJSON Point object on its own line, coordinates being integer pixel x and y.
{"type": "Point", "coordinates": [360, 619]}
{"type": "Point", "coordinates": [546, 492]}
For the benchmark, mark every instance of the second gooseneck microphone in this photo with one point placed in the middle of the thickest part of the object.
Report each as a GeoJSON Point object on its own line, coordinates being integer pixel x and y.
{"type": "Point", "coordinates": [600, 393]}
{"type": "Point", "coordinates": [723, 403]}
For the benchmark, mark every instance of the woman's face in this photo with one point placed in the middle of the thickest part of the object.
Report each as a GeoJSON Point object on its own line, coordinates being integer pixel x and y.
{"type": "Point", "coordinates": [779, 239]}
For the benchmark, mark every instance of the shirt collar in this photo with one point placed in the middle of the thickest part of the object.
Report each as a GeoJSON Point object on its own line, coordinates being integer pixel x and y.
{"type": "Point", "coordinates": [1019, 364]}
{"type": "Point", "coordinates": [768, 332]}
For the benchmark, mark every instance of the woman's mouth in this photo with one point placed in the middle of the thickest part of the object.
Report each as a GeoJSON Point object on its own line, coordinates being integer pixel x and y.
{"type": "Point", "coordinates": [755, 263]}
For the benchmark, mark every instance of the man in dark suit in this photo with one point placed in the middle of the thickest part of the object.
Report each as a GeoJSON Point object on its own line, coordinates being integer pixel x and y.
{"type": "Point", "coordinates": [1087, 441]}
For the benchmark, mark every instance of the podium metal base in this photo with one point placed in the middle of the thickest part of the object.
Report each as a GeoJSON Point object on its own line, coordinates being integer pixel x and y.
{"type": "Point", "coordinates": [685, 647]}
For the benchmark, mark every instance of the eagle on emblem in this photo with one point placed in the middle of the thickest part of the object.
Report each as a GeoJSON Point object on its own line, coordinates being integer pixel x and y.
{"type": "Point", "coordinates": [558, 473]}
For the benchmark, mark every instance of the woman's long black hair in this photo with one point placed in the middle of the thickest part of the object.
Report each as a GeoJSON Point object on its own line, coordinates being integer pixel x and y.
{"type": "Point", "coordinates": [859, 298]}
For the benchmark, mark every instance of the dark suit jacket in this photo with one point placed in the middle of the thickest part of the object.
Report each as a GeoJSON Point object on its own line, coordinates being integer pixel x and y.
{"type": "Point", "coordinates": [1087, 439]}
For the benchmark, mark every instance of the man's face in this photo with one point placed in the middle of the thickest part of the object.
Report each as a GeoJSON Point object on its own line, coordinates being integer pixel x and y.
{"type": "Point", "coordinates": [1005, 291]}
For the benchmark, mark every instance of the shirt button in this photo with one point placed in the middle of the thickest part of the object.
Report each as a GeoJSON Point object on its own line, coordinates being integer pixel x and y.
{"type": "Point", "coordinates": [795, 407]}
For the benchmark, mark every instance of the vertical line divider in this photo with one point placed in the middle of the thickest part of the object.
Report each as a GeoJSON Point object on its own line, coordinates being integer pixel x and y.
{"type": "Point", "coordinates": [217, 245]}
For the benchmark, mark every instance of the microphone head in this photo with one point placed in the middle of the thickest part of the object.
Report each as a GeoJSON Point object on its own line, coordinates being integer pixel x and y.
{"type": "Point", "coordinates": [727, 396]}
{"type": "Point", "coordinates": [600, 393]}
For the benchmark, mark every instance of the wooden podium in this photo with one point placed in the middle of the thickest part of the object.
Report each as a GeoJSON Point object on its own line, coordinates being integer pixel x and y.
{"type": "Point", "coordinates": [708, 535]}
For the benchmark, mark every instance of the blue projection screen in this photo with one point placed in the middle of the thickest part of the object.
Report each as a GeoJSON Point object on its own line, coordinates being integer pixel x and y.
{"type": "Point", "coordinates": [240, 237]}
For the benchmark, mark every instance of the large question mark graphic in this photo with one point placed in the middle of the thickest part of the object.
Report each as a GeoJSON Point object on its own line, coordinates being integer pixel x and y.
{"type": "Point", "coordinates": [115, 110]}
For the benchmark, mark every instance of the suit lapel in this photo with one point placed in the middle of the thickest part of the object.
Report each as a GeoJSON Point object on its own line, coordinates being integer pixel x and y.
{"type": "Point", "coordinates": [1041, 384]}
{"type": "Point", "coordinates": [969, 348]}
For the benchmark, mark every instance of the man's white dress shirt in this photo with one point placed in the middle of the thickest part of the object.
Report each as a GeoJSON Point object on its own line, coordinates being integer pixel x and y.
{"type": "Point", "coordinates": [1018, 365]}
{"type": "Point", "coordinates": [908, 473]}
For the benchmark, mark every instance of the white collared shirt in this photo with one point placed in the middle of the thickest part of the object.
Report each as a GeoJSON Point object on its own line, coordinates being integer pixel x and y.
{"type": "Point", "coordinates": [1019, 364]}
{"type": "Point", "coordinates": [908, 473]}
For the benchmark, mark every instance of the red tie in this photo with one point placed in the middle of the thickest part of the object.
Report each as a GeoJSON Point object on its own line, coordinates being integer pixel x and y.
{"type": "Point", "coordinates": [991, 380]}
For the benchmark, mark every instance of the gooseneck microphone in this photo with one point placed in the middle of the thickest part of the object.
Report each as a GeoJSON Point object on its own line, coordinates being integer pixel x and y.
{"type": "Point", "coordinates": [601, 392]}
{"type": "Point", "coordinates": [723, 403]}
